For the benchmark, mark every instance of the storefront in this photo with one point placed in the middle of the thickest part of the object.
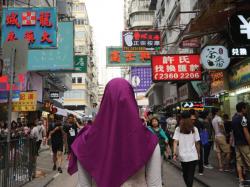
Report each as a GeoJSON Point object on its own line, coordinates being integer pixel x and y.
{"type": "Point", "coordinates": [239, 84]}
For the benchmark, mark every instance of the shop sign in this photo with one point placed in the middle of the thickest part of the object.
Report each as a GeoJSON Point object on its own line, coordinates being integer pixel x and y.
{"type": "Point", "coordinates": [80, 63]}
{"type": "Point", "coordinates": [191, 43]}
{"type": "Point", "coordinates": [54, 95]}
{"type": "Point", "coordinates": [27, 102]}
{"type": "Point", "coordinates": [61, 58]}
{"type": "Point", "coordinates": [183, 92]}
{"type": "Point", "coordinates": [141, 40]}
{"type": "Point", "coordinates": [195, 105]}
{"type": "Point", "coordinates": [170, 101]}
{"type": "Point", "coordinates": [19, 85]}
{"type": "Point", "coordinates": [117, 57]}
{"type": "Point", "coordinates": [215, 57]}
{"type": "Point", "coordinates": [36, 25]}
{"type": "Point", "coordinates": [239, 27]}
{"type": "Point", "coordinates": [141, 78]}
{"type": "Point", "coordinates": [239, 51]}
{"type": "Point", "coordinates": [4, 95]}
{"type": "Point", "coordinates": [239, 75]}
{"type": "Point", "coordinates": [175, 67]}
{"type": "Point", "coordinates": [218, 82]}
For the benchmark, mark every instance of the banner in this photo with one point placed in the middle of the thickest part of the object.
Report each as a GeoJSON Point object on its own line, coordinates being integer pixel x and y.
{"type": "Point", "coordinates": [117, 57]}
{"type": "Point", "coordinates": [141, 78]}
{"type": "Point", "coordinates": [61, 58]}
{"type": "Point", "coordinates": [27, 102]}
{"type": "Point", "coordinates": [175, 67]}
{"type": "Point", "coordinates": [141, 40]}
{"type": "Point", "coordinates": [36, 25]}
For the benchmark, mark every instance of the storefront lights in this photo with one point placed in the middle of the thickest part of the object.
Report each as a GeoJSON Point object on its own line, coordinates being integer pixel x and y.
{"type": "Point", "coordinates": [243, 90]}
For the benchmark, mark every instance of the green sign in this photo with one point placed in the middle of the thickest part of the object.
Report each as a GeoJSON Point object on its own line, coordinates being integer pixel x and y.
{"type": "Point", "coordinates": [81, 63]}
{"type": "Point", "coordinates": [117, 57]}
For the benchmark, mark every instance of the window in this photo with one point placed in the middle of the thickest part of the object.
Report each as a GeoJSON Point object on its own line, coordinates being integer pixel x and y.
{"type": "Point", "coordinates": [79, 35]}
{"type": "Point", "coordinates": [73, 80]}
{"type": "Point", "coordinates": [79, 79]}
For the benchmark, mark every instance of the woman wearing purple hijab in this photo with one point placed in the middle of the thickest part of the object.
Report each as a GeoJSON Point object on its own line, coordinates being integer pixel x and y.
{"type": "Point", "coordinates": [117, 150]}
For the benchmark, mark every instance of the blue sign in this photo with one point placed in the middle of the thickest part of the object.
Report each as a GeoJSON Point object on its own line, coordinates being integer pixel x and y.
{"type": "Point", "coordinates": [141, 78]}
{"type": "Point", "coordinates": [61, 58]}
{"type": "Point", "coordinates": [5, 94]}
{"type": "Point", "coordinates": [36, 25]}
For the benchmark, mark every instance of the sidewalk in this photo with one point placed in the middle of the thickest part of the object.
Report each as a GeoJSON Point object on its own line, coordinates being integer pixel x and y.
{"type": "Point", "coordinates": [44, 165]}
{"type": "Point", "coordinates": [213, 177]}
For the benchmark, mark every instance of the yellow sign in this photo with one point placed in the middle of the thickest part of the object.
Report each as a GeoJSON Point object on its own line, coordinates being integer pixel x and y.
{"type": "Point", "coordinates": [26, 103]}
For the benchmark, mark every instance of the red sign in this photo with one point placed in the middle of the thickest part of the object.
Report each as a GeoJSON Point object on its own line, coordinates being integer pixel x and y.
{"type": "Point", "coordinates": [192, 43]}
{"type": "Point", "coordinates": [175, 67]}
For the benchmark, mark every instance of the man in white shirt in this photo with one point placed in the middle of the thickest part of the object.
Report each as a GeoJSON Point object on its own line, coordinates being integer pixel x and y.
{"type": "Point", "coordinates": [38, 132]}
{"type": "Point", "coordinates": [220, 139]}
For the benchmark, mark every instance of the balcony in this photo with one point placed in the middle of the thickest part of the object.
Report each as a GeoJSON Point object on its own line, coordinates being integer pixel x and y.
{"type": "Point", "coordinates": [141, 20]}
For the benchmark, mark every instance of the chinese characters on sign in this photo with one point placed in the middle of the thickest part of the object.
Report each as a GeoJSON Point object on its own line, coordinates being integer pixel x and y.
{"type": "Point", "coordinates": [117, 57]}
{"type": "Point", "coordinates": [239, 52]}
{"type": "Point", "coordinates": [176, 67]}
{"type": "Point", "coordinates": [36, 25]}
{"type": "Point", "coordinates": [81, 63]}
{"type": "Point", "coordinates": [141, 78]}
{"type": "Point", "coordinates": [218, 82]}
{"type": "Point", "coordinates": [27, 102]}
{"type": "Point", "coordinates": [141, 40]}
{"type": "Point", "coordinates": [215, 58]}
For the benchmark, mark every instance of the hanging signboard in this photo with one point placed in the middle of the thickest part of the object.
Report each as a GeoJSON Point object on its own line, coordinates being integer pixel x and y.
{"type": "Point", "coordinates": [117, 57]}
{"type": "Point", "coordinates": [215, 57]}
{"type": "Point", "coordinates": [175, 67]}
{"type": "Point", "coordinates": [218, 82]}
{"type": "Point", "coordinates": [36, 25]}
{"type": "Point", "coordinates": [195, 105]}
{"type": "Point", "coordinates": [141, 40]}
{"type": "Point", "coordinates": [61, 58]}
{"type": "Point", "coordinates": [239, 27]}
{"type": "Point", "coordinates": [54, 95]}
{"type": "Point", "coordinates": [27, 102]}
{"type": "Point", "coordinates": [239, 51]}
{"type": "Point", "coordinates": [80, 63]}
{"type": "Point", "coordinates": [239, 75]}
{"type": "Point", "coordinates": [191, 43]}
{"type": "Point", "coordinates": [141, 78]}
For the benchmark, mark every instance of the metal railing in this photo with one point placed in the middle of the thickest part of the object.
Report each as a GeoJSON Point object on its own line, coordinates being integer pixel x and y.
{"type": "Point", "coordinates": [18, 165]}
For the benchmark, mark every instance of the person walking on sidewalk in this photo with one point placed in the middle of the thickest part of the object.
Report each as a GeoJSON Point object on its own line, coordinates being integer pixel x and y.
{"type": "Point", "coordinates": [187, 137]}
{"type": "Point", "coordinates": [71, 131]}
{"type": "Point", "coordinates": [38, 132]}
{"type": "Point", "coordinates": [241, 127]}
{"type": "Point", "coordinates": [195, 118]}
{"type": "Point", "coordinates": [117, 150]}
{"type": "Point", "coordinates": [220, 140]}
{"type": "Point", "coordinates": [56, 135]}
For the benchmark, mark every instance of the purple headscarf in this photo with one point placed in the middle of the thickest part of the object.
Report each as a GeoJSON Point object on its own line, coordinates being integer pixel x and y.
{"type": "Point", "coordinates": [117, 145]}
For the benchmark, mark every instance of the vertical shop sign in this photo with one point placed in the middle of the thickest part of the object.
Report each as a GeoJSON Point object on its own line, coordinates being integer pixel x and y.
{"type": "Point", "coordinates": [141, 78]}
{"type": "Point", "coordinates": [141, 40]}
{"type": "Point", "coordinates": [36, 25]}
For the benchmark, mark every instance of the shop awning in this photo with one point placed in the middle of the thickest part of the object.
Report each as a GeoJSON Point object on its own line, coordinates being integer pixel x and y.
{"type": "Point", "coordinates": [213, 19]}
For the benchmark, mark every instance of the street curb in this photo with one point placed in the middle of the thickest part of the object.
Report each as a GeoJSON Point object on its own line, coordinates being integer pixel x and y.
{"type": "Point", "coordinates": [179, 168]}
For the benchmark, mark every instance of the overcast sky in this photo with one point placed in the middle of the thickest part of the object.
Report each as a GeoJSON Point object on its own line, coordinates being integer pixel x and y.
{"type": "Point", "coordinates": [106, 18]}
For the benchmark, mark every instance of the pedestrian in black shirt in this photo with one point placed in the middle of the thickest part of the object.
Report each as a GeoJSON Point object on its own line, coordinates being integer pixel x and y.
{"type": "Point", "coordinates": [241, 133]}
{"type": "Point", "coordinates": [70, 129]}
{"type": "Point", "coordinates": [56, 136]}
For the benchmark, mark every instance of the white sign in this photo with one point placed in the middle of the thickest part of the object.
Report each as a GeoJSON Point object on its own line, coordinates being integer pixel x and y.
{"type": "Point", "coordinates": [215, 57]}
{"type": "Point", "coordinates": [245, 28]}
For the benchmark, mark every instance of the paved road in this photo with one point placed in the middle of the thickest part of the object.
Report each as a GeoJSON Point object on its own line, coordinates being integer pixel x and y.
{"type": "Point", "coordinates": [172, 178]}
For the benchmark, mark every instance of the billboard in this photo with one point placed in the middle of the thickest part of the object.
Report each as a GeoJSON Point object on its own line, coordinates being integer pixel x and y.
{"type": "Point", "coordinates": [141, 40]}
{"type": "Point", "coordinates": [175, 67]}
{"type": "Point", "coordinates": [117, 57]}
{"type": "Point", "coordinates": [141, 78]}
{"type": "Point", "coordinates": [36, 25]}
{"type": "Point", "coordinates": [27, 102]}
{"type": "Point", "coordinates": [61, 58]}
